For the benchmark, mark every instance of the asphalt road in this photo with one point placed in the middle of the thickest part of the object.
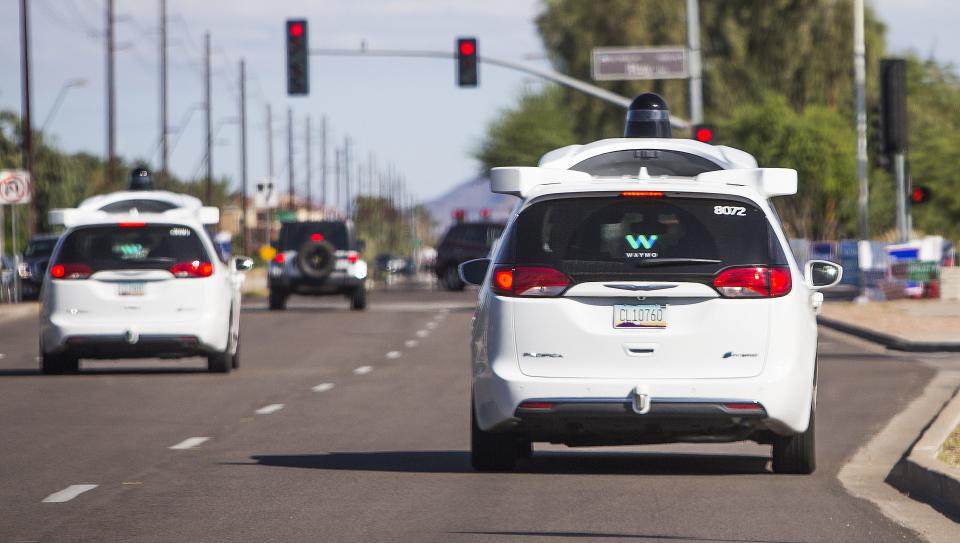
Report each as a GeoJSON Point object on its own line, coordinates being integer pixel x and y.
{"type": "Point", "coordinates": [362, 435]}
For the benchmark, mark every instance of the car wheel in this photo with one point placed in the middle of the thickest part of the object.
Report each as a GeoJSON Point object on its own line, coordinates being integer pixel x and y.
{"type": "Point", "coordinates": [220, 362]}
{"type": "Point", "coordinates": [491, 451]}
{"type": "Point", "coordinates": [451, 279]}
{"type": "Point", "coordinates": [358, 299]}
{"type": "Point", "coordinates": [796, 454]}
{"type": "Point", "coordinates": [278, 300]}
{"type": "Point", "coordinates": [57, 364]}
{"type": "Point", "coordinates": [236, 355]}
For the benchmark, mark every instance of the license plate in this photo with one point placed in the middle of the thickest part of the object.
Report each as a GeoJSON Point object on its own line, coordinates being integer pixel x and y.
{"type": "Point", "coordinates": [130, 289]}
{"type": "Point", "coordinates": [640, 316]}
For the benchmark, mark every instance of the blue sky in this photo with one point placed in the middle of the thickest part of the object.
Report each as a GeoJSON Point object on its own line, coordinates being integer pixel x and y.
{"type": "Point", "coordinates": [408, 113]}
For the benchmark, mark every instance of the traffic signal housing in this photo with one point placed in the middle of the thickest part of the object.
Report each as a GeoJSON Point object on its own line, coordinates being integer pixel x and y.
{"type": "Point", "coordinates": [704, 132]}
{"type": "Point", "coordinates": [893, 105]}
{"type": "Point", "coordinates": [919, 194]}
{"type": "Point", "coordinates": [467, 73]}
{"type": "Point", "coordinates": [298, 58]}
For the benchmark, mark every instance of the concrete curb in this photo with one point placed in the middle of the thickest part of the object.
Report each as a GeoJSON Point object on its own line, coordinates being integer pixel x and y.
{"type": "Point", "coordinates": [889, 341]}
{"type": "Point", "coordinates": [9, 312]}
{"type": "Point", "coordinates": [921, 475]}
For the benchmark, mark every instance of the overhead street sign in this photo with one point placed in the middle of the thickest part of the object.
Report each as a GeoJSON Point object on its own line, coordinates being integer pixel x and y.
{"type": "Point", "coordinates": [267, 195]}
{"type": "Point", "coordinates": [619, 63]}
{"type": "Point", "coordinates": [14, 187]}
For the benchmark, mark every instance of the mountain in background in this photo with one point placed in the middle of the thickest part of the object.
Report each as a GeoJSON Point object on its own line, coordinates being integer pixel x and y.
{"type": "Point", "coordinates": [472, 196]}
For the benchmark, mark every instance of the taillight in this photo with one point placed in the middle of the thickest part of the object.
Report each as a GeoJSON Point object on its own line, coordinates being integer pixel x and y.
{"type": "Point", "coordinates": [642, 194]}
{"type": "Point", "coordinates": [353, 257]}
{"type": "Point", "coordinates": [280, 258]}
{"type": "Point", "coordinates": [316, 237]}
{"type": "Point", "coordinates": [529, 281]}
{"type": "Point", "coordinates": [754, 282]}
{"type": "Point", "coordinates": [70, 271]}
{"type": "Point", "coordinates": [193, 268]}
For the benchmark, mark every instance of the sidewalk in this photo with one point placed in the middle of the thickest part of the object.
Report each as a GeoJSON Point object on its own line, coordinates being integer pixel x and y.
{"type": "Point", "coordinates": [905, 325]}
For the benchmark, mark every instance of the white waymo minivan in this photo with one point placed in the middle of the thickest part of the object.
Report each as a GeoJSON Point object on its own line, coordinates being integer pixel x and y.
{"type": "Point", "coordinates": [644, 292]}
{"type": "Point", "coordinates": [136, 275]}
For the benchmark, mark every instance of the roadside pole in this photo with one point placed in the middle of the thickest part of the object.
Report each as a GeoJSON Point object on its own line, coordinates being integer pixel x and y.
{"type": "Point", "coordinates": [696, 68]}
{"type": "Point", "coordinates": [863, 197]}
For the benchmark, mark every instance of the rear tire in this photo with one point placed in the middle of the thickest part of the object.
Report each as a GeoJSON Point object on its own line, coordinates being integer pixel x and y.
{"type": "Point", "coordinates": [491, 451]}
{"type": "Point", "coordinates": [451, 279]}
{"type": "Point", "coordinates": [796, 454]}
{"type": "Point", "coordinates": [220, 362]}
{"type": "Point", "coordinates": [236, 355]}
{"type": "Point", "coordinates": [358, 298]}
{"type": "Point", "coordinates": [58, 364]}
{"type": "Point", "coordinates": [278, 300]}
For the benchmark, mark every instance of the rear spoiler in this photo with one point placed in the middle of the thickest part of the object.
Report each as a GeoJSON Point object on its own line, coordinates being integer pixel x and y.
{"type": "Point", "coordinates": [72, 216]}
{"type": "Point", "coordinates": [522, 180]}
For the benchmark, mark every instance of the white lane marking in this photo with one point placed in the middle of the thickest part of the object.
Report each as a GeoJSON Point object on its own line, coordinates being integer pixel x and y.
{"type": "Point", "coordinates": [268, 409]}
{"type": "Point", "coordinates": [422, 333]}
{"type": "Point", "coordinates": [362, 370]}
{"type": "Point", "coordinates": [2, 356]}
{"type": "Point", "coordinates": [68, 493]}
{"type": "Point", "coordinates": [393, 355]}
{"type": "Point", "coordinates": [190, 443]}
{"type": "Point", "coordinates": [431, 325]}
{"type": "Point", "coordinates": [322, 387]}
{"type": "Point", "coordinates": [410, 343]}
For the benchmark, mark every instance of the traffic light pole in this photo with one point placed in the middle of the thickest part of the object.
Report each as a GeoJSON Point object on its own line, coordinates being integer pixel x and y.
{"type": "Point", "coordinates": [900, 170]}
{"type": "Point", "coordinates": [550, 75]}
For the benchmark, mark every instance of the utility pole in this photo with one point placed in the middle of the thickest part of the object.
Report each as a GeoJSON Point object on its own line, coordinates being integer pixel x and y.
{"type": "Point", "coordinates": [243, 156]}
{"type": "Point", "coordinates": [111, 98]}
{"type": "Point", "coordinates": [309, 148]}
{"type": "Point", "coordinates": [323, 161]}
{"type": "Point", "coordinates": [292, 193]}
{"type": "Point", "coordinates": [26, 125]}
{"type": "Point", "coordinates": [860, 112]}
{"type": "Point", "coordinates": [269, 212]}
{"type": "Point", "coordinates": [208, 108]}
{"type": "Point", "coordinates": [164, 150]}
{"type": "Point", "coordinates": [336, 185]}
{"type": "Point", "coordinates": [346, 174]}
{"type": "Point", "coordinates": [696, 67]}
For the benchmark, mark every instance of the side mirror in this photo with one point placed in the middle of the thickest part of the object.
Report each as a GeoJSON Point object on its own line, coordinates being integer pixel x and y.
{"type": "Point", "coordinates": [472, 272]}
{"type": "Point", "coordinates": [242, 263]}
{"type": "Point", "coordinates": [820, 274]}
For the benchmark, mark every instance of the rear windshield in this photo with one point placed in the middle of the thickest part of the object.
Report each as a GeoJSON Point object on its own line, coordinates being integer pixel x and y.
{"type": "Point", "coordinates": [481, 234]}
{"type": "Point", "coordinates": [151, 247]}
{"type": "Point", "coordinates": [40, 247]}
{"type": "Point", "coordinates": [623, 238]}
{"type": "Point", "coordinates": [295, 234]}
{"type": "Point", "coordinates": [142, 206]}
{"type": "Point", "coordinates": [657, 162]}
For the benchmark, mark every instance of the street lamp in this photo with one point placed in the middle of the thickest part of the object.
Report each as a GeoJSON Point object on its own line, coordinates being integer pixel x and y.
{"type": "Point", "coordinates": [60, 97]}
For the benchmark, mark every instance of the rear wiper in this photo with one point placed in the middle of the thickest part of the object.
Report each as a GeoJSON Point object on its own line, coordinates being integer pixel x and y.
{"type": "Point", "coordinates": [669, 261]}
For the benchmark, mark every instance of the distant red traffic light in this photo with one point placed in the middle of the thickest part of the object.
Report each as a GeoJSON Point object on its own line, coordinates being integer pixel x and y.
{"type": "Point", "coordinates": [919, 194]}
{"type": "Point", "coordinates": [296, 30]}
{"type": "Point", "coordinates": [468, 47]}
{"type": "Point", "coordinates": [703, 133]}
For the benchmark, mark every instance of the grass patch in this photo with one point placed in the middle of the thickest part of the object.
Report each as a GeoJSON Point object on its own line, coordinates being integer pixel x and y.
{"type": "Point", "coordinates": [950, 450]}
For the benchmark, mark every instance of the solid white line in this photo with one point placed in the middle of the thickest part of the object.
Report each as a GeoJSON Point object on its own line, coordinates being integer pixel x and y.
{"type": "Point", "coordinates": [322, 387]}
{"type": "Point", "coordinates": [410, 343]}
{"type": "Point", "coordinates": [362, 370]}
{"type": "Point", "coordinates": [268, 409]}
{"type": "Point", "coordinates": [190, 443]}
{"type": "Point", "coordinates": [393, 355]}
{"type": "Point", "coordinates": [68, 493]}
{"type": "Point", "coordinates": [422, 333]}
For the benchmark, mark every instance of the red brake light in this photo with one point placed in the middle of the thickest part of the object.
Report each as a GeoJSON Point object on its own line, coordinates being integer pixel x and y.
{"type": "Point", "coordinates": [753, 282]}
{"type": "Point", "coordinates": [70, 271]}
{"type": "Point", "coordinates": [316, 237]}
{"type": "Point", "coordinates": [537, 405]}
{"type": "Point", "coordinates": [743, 406]}
{"type": "Point", "coordinates": [353, 257]}
{"type": "Point", "coordinates": [529, 282]}
{"type": "Point", "coordinates": [131, 224]}
{"type": "Point", "coordinates": [642, 194]}
{"type": "Point", "coordinates": [194, 268]}
{"type": "Point", "coordinates": [280, 258]}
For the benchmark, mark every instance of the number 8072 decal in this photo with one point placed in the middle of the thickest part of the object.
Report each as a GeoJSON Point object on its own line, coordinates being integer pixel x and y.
{"type": "Point", "coordinates": [730, 210]}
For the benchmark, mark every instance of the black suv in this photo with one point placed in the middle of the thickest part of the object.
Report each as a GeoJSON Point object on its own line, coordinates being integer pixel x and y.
{"type": "Point", "coordinates": [33, 265]}
{"type": "Point", "coordinates": [463, 242]}
{"type": "Point", "coordinates": [318, 258]}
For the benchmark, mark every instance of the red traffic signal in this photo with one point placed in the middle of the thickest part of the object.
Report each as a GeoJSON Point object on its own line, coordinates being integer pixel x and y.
{"type": "Point", "coordinates": [466, 52]}
{"type": "Point", "coordinates": [298, 58]}
{"type": "Point", "coordinates": [703, 132]}
{"type": "Point", "coordinates": [919, 194]}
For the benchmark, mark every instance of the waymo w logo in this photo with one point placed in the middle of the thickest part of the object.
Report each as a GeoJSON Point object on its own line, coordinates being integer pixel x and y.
{"type": "Point", "coordinates": [641, 241]}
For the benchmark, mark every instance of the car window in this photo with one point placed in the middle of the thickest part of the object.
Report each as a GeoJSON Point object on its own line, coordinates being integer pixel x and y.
{"type": "Point", "coordinates": [657, 162]}
{"type": "Point", "coordinates": [609, 238]}
{"type": "Point", "coordinates": [491, 233]}
{"type": "Point", "coordinates": [293, 235]}
{"type": "Point", "coordinates": [142, 206]}
{"type": "Point", "coordinates": [40, 248]}
{"type": "Point", "coordinates": [112, 247]}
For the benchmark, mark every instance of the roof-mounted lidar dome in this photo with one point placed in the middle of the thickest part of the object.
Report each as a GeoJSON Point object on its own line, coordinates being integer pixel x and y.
{"type": "Point", "coordinates": [140, 179]}
{"type": "Point", "coordinates": [648, 117]}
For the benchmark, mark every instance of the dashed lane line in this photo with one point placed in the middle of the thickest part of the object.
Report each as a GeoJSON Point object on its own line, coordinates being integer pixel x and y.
{"type": "Point", "coordinates": [410, 343]}
{"type": "Point", "coordinates": [393, 355]}
{"type": "Point", "coordinates": [362, 370]}
{"type": "Point", "coordinates": [68, 493]}
{"type": "Point", "coordinates": [422, 333]}
{"type": "Point", "coordinates": [268, 409]}
{"type": "Point", "coordinates": [190, 443]}
{"type": "Point", "coordinates": [322, 387]}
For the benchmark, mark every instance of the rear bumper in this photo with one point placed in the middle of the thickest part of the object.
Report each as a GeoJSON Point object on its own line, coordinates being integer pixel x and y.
{"type": "Point", "coordinates": [117, 346]}
{"type": "Point", "coordinates": [336, 283]}
{"type": "Point", "coordinates": [619, 421]}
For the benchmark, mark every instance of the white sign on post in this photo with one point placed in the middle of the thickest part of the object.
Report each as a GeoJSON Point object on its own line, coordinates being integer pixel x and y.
{"type": "Point", "coordinates": [14, 187]}
{"type": "Point", "coordinates": [267, 196]}
{"type": "Point", "coordinates": [625, 63]}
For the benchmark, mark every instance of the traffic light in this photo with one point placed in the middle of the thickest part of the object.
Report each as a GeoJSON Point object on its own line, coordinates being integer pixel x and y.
{"type": "Point", "coordinates": [893, 99]}
{"type": "Point", "coordinates": [703, 132]}
{"type": "Point", "coordinates": [298, 58]}
{"type": "Point", "coordinates": [467, 75]}
{"type": "Point", "coordinates": [920, 194]}
{"type": "Point", "coordinates": [880, 157]}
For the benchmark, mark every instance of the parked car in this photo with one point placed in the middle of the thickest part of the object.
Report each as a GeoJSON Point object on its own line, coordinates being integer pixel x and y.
{"type": "Point", "coordinates": [33, 264]}
{"type": "Point", "coordinates": [463, 242]}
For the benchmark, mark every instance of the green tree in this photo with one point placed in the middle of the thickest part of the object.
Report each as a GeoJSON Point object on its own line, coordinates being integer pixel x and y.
{"type": "Point", "coordinates": [521, 135]}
